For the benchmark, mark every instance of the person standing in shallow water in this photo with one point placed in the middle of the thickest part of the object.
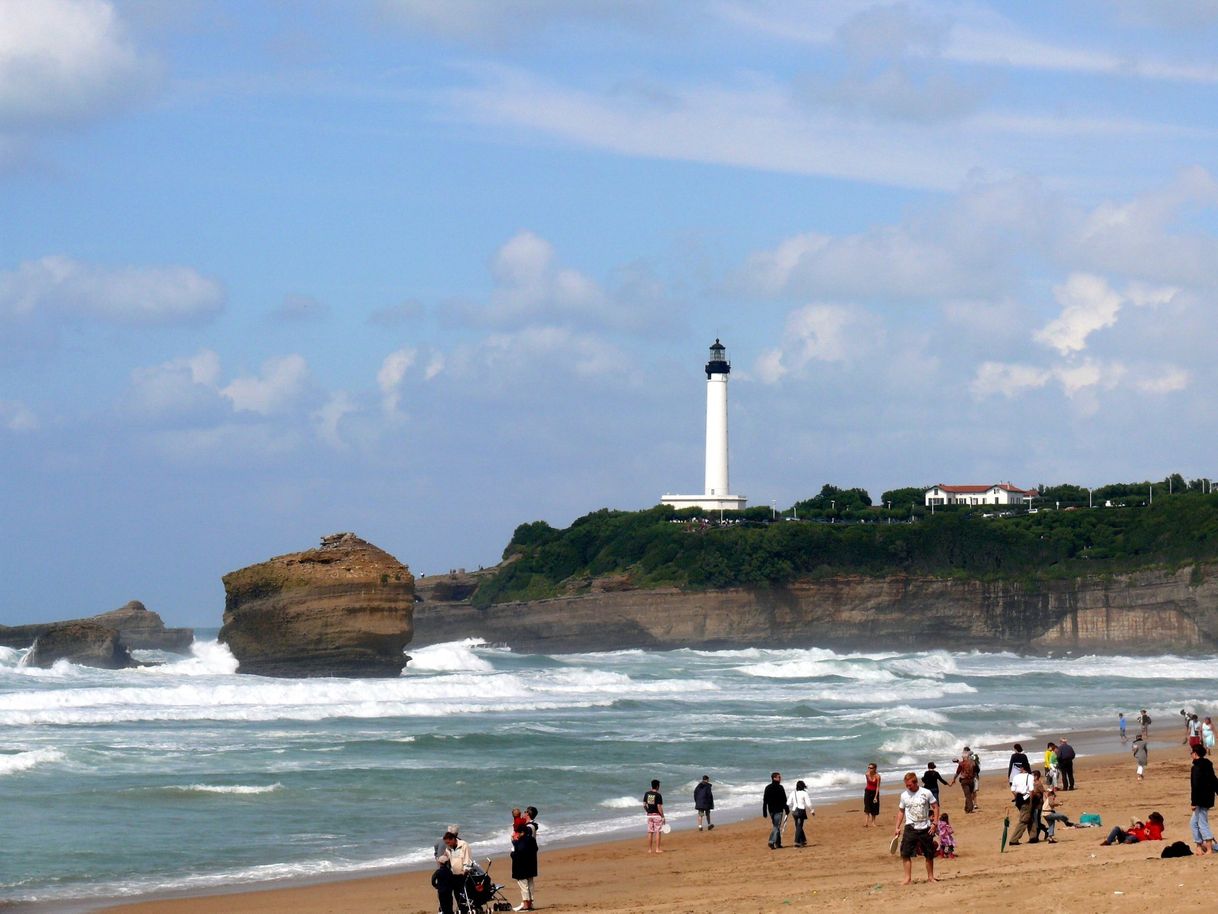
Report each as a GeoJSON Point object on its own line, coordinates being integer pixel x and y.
{"type": "Point", "coordinates": [1121, 724]}
{"type": "Point", "coordinates": [871, 796]}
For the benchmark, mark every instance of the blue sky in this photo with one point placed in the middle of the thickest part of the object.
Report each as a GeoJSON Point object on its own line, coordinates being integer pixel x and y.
{"type": "Point", "coordinates": [427, 270]}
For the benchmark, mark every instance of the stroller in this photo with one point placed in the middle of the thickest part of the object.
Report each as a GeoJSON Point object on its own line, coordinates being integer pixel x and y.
{"type": "Point", "coordinates": [477, 893]}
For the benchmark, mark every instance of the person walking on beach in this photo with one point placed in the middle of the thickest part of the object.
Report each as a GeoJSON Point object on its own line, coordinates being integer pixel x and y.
{"type": "Point", "coordinates": [1029, 796]}
{"type": "Point", "coordinates": [1140, 755]}
{"type": "Point", "coordinates": [524, 863]}
{"type": "Point", "coordinates": [653, 807]}
{"type": "Point", "coordinates": [1065, 763]}
{"type": "Point", "coordinates": [1207, 733]}
{"type": "Point", "coordinates": [774, 807]}
{"type": "Point", "coordinates": [1018, 758]}
{"type": "Point", "coordinates": [871, 796]}
{"type": "Point", "coordinates": [1121, 724]}
{"type": "Point", "coordinates": [1144, 724]}
{"type": "Point", "coordinates": [801, 808]}
{"type": "Point", "coordinates": [704, 801]}
{"type": "Point", "coordinates": [917, 821]}
{"type": "Point", "coordinates": [966, 774]}
{"type": "Point", "coordinates": [931, 780]}
{"type": "Point", "coordinates": [1203, 784]}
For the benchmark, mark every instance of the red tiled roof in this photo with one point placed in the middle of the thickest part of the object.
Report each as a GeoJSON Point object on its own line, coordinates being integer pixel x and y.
{"type": "Point", "coordinates": [973, 490]}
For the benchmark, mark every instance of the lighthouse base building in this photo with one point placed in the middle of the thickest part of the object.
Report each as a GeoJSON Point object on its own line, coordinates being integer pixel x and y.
{"type": "Point", "coordinates": [717, 496]}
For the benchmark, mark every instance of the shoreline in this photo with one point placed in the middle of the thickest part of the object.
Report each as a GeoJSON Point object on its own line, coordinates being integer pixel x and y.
{"type": "Point", "coordinates": [564, 881]}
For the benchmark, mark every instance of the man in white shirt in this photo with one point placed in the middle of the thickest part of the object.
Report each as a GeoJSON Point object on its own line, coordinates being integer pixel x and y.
{"type": "Point", "coordinates": [918, 813]}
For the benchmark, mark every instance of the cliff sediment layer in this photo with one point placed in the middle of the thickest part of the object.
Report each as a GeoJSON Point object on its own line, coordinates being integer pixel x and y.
{"type": "Point", "coordinates": [1165, 609]}
{"type": "Point", "coordinates": [343, 609]}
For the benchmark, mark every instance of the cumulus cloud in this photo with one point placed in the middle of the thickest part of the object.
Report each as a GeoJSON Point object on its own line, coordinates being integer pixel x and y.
{"type": "Point", "coordinates": [282, 382]}
{"type": "Point", "coordinates": [328, 418]}
{"type": "Point", "coordinates": [816, 332]}
{"type": "Point", "coordinates": [1007, 379]}
{"type": "Point", "coordinates": [530, 284]}
{"type": "Point", "coordinates": [15, 416]}
{"type": "Point", "coordinates": [1168, 381]}
{"type": "Point", "coordinates": [64, 61]}
{"type": "Point", "coordinates": [60, 287]}
{"type": "Point", "coordinates": [1088, 304]}
{"type": "Point", "coordinates": [537, 351]}
{"type": "Point", "coordinates": [390, 376]}
{"type": "Point", "coordinates": [176, 387]}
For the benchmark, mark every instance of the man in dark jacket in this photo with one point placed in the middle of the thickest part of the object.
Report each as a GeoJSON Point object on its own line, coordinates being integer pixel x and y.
{"type": "Point", "coordinates": [1204, 784]}
{"type": "Point", "coordinates": [774, 806]}
{"type": "Point", "coordinates": [704, 801]}
{"type": "Point", "coordinates": [1065, 763]}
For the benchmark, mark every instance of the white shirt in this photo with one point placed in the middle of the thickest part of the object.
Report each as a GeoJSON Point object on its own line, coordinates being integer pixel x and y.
{"type": "Point", "coordinates": [1022, 783]}
{"type": "Point", "coordinates": [801, 800]}
{"type": "Point", "coordinates": [917, 804]}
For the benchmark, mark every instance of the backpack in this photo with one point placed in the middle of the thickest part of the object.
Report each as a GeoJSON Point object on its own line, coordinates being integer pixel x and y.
{"type": "Point", "coordinates": [1146, 719]}
{"type": "Point", "coordinates": [976, 760]}
{"type": "Point", "coordinates": [1177, 849]}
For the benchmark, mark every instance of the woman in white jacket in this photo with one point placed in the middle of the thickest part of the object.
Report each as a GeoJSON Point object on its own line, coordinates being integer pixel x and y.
{"type": "Point", "coordinates": [801, 808]}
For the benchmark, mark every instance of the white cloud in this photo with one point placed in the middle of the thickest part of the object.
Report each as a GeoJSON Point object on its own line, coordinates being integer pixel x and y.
{"type": "Point", "coordinates": [178, 386]}
{"type": "Point", "coordinates": [815, 333]}
{"type": "Point", "coordinates": [1090, 373]}
{"type": "Point", "coordinates": [1169, 381]}
{"type": "Point", "coordinates": [529, 284]}
{"type": "Point", "coordinates": [1088, 304]}
{"type": "Point", "coordinates": [17, 417]}
{"type": "Point", "coordinates": [390, 376]}
{"type": "Point", "coordinates": [435, 365]}
{"type": "Point", "coordinates": [281, 383]}
{"type": "Point", "coordinates": [537, 351]}
{"type": "Point", "coordinates": [1007, 379]}
{"type": "Point", "coordinates": [65, 60]}
{"type": "Point", "coordinates": [57, 286]}
{"type": "Point", "coordinates": [328, 418]}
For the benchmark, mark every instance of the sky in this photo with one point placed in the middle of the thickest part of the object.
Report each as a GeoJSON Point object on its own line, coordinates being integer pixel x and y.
{"type": "Point", "coordinates": [428, 269]}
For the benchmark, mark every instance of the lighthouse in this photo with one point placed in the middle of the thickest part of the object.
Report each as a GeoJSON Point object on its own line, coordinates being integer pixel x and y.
{"type": "Point", "coordinates": [717, 492]}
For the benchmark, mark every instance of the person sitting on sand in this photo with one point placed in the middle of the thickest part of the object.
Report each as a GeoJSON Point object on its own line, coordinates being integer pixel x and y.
{"type": "Point", "coordinates": [1150, 830]}
{"type": "Point", "coordinates": [1052, 817]}
{"type": "Point", "coordinates": [947, 838]}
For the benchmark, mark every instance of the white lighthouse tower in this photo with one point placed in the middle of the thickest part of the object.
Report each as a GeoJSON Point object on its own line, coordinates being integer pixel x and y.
{"type": "Point", "coordinates": [717, 495]}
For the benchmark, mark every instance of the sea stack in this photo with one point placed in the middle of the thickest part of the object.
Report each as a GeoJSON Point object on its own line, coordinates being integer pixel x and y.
{"type": "Point", "coordinates": [343, 609]}
{"type": "Point", "coordinates": [84, 642]}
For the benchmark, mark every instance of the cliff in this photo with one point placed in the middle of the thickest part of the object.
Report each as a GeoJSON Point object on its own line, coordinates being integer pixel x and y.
{"type": "Point", "coordinates": [343, 609]}
{"type": "Point", "coordinates": [137, 626]}
{"type": "Point", "coordinates": [1167, 610]}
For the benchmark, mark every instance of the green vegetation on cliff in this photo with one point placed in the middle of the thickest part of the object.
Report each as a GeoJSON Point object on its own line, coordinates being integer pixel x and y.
{"type": "Point", "coordinates": [661, 546]}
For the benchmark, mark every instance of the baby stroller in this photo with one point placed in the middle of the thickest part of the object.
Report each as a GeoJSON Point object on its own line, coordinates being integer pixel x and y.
{"type": "Point", "coordinates": [477, 893]}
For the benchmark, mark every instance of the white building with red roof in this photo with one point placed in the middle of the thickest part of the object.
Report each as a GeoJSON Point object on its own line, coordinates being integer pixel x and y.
{"type": "Point", "coordinates": [1002, 493]}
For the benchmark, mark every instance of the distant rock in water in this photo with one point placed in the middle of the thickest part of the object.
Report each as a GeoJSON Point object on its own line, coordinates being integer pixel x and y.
{"type": "Point", "coordinates": [142, 629]}
{"type": "Point", "coordinates": [137, 627]}
{"type": "Point", "coordinates": [344, 609]}
{"type": "Point", "coordinates": [84, 642]}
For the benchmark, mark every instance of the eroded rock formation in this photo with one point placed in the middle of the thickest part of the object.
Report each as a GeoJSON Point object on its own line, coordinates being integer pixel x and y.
{"type": "Point", "coordinates": [343, 609]}
{"type": "Point", "coordinates": [84, 642]}
{"type": "Point", "coordinates": [1172, 610]}
{"type": "Point", "coordinates": [137, 626]}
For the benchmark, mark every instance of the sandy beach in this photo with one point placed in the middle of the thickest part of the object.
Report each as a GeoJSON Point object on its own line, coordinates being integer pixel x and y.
{"type": "Point", "coordinates": [845, 867]}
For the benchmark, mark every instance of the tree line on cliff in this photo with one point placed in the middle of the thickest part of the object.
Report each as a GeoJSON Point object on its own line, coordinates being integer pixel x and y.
{"type": "Point", "coordinates": [661, 546]}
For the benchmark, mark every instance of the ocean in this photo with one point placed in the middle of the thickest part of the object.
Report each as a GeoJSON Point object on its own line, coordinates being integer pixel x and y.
{"type": "Point", "coordinates": [187, 776]}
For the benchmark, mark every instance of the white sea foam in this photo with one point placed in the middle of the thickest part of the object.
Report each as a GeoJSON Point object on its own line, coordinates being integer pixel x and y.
{"type": "Point", "coordinates": [916, 746]}
{"type": "Point", "coordinates": [24, 761]}
{"type": "Point", "coordinates": [449, 657]}
{"type": "Point", "coordinates": [623, 802]}
{"type": "Point", "coordinates": [242, 789]}
{"type": "Point", "coordinates": [207, 658]}
{"type": "Point", "coordinates": [811, 668]}
{"type": "Point", "coordinates": [10, 656]}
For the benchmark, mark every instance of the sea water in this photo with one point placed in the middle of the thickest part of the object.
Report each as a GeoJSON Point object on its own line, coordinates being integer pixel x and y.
{"type": "Point", "coordinates": [186, 776]}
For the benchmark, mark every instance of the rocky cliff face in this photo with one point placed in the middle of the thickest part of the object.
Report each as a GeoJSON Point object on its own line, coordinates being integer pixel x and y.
{"type": "Point", "coordinates": [1152, 610]}
{"type": "Point", "coordinates": [83, 642]}
{"type": "Point", "coordinates": [137, 627]}
{"type": "Point", "coordinates": [344, 609]}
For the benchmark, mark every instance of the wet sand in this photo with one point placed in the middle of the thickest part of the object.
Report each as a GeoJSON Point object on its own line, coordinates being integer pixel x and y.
{"type": "Point", "coordinates": [845, 867]}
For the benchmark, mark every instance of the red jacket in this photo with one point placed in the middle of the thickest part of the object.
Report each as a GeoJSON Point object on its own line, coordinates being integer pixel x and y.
{"type": "Point", "coordinates": [1151, 831]}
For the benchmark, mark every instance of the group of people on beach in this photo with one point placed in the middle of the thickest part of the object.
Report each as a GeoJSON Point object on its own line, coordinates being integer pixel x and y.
{"type": "Point", "coordinates": [457, 873]}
